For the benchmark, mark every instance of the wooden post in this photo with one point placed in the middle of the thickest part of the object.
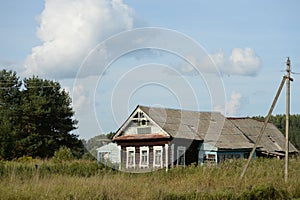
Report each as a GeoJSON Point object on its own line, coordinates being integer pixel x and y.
{"type": "Point", "coordinates": [167, 156]}
{"type": "Point", "coordinates": [287, 118]}
{"type": "Point", "coordinates": [263, 127]}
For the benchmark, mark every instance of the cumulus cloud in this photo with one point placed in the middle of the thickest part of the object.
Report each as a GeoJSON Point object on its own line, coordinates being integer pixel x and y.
{"type": "Point", "coordinates": [242, 61]}
{"type": "Point", "coordinates": [81, 96]}
{"type": "Point", "coordinates": [232, 106]}
{"type": "Point", "coordinates": [69, 29]}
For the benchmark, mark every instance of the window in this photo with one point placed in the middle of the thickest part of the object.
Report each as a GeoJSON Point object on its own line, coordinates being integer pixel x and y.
{"type": "Point", "coordinates": [237, 156]}
{"type": "Point", "coordinates": [157, 157]}
{"type": "Point", "coordinates": [144, 157]}
{"type": "Point", "coordinates": [144, 130]}
{"type": "Point", "coordinates": [246, 155]}
{"type": "Point", "coordinates": [221, 157]}
{"type": "Point", "coordinates": [181, 155]}
{"type": "Point", "coordinates": [229, 156]}
{"type": "Point", "coordinates": [130, 161]}
{"type": "Point", "coordinates": [144, 122]}
{"type": "Point", "coordinates": [105, 156]}
{"type": "Point", "coordinates": [140, 119]}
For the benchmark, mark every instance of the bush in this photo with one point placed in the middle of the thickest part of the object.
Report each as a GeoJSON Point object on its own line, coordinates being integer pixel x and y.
{"type": "Point", "coordinates": [63, 154]}
{"type": "Point", "coordinates": [25, 159]}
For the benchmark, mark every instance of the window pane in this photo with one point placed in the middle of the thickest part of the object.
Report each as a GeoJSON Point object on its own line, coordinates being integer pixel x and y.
{"type": "Point", "coordinates": [157, 159]}
{"type": "Point", "coordinates": [181, 157]}
{"type": "Point", "coordinates": [144, 157]}
{"type": "Point", "coordinates": [144, 130]}
{"type": "Point", "coordinates": [104, 156]}
{"type": "Point", "coordinates": [130, 157]}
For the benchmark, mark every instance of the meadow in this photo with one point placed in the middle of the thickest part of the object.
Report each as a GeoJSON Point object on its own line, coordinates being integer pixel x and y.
{"type": "Point", "coordinates": [84, 179]}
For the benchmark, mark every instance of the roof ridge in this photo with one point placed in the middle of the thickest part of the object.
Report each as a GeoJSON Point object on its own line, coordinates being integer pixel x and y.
{"type": "Point", "coordinates": [178, 109]}
{"type": "Point", "coordinates": [233, 118]}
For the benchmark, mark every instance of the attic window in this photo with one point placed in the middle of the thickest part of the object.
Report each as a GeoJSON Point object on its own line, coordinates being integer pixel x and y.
{"type": "Point", "coordinates": [140, 119]}
{"type": "Point", "coordinates": [144, 130]}
{"type": "Point", "coordinates": [139, 115]}
{"type": "Point", "coordinates": [144, 122]}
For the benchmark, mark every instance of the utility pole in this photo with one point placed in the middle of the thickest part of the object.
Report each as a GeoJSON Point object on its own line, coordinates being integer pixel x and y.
{"type": "Point", "coordinates": [287, 117]}
{"type": "Point", "coordinates": [286, 79]}
{"type": "Point", "coordinates": [263, 127]}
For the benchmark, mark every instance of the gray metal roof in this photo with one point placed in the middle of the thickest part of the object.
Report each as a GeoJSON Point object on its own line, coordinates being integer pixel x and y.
{"type": "Point", "coordinates": [212, 127]}
{"type": "Point", "coordinates": [272, 141]}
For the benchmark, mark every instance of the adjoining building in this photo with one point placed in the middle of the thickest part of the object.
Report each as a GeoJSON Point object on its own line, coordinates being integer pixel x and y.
{"type": "Point", "coordinates": [272, 142]}
{"type": "Point", "coordinates": [109, 154]}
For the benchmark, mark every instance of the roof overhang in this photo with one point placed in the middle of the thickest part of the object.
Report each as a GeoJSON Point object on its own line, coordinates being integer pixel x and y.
{"type": "Point", "coordinates": [141, 137]}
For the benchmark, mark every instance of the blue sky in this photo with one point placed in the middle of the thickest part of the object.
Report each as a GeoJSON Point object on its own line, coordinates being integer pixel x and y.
{"type": "Point", "coordinates": [248, 41]}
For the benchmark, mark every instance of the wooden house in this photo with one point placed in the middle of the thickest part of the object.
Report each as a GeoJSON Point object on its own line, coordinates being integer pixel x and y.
{"type": "Point", "coordinates": [153, 138]}
{"type": "Point", "coordinates": [157, 137]}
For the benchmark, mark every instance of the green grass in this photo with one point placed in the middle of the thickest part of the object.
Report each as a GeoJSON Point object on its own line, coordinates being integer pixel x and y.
{"type": "Point", "coordinates": [81, 179]}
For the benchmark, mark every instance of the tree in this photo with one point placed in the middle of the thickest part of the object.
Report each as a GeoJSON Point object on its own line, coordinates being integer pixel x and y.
{"type": "Point", "coordinates": [39, 118]}
{"type": "Point", "coordinates": [10, 86]}
{"type": "Point", "coordinates": [48, 115]}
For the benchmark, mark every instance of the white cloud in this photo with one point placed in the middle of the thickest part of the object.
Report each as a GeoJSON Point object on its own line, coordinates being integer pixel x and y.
{"type": "Point", "coordinates": [243, 62]}
{"type": "Point", "coordinates": [82, 101]}
{"type": "Point", "coordinates": [232, 106]}
{"type": "Point", "coordinates": [69, 29]}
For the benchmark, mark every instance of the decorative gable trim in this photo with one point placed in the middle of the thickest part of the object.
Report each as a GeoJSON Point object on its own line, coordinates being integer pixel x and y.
{"type": "Point", "coordinates": [131, 118]}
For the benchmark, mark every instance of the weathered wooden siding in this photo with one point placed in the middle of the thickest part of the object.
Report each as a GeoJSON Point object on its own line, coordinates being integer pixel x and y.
{"type": "Point", "coordinates": [191, 152]}
{"type": "Point", "coordinates": [150, 167]}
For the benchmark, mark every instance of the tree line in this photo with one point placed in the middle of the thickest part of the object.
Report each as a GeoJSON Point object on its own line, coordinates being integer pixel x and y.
{"type": "Point", "coordinates": [36, 118]}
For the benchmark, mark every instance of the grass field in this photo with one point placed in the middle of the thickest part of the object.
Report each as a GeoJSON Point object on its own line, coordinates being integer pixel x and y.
{"type": "Point", "coordinates": [37, 179]}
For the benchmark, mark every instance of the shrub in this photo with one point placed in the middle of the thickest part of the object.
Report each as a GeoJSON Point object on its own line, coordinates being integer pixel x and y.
{"type": "Point", "coordinates": [63, 154]}
{"type": "Point", "coordinates": [25, 159]}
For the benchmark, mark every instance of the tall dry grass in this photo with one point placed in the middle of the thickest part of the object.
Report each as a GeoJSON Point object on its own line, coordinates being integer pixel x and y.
{"type": "Point", "coordinates": [85, 180]}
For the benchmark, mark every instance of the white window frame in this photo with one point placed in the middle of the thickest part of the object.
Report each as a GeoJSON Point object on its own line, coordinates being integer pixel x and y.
{"type": "Point", "coordinates": [157, 165]}
{"type": "Point", "coordinates": [143, 128]}
{"type": "Point", "coordinates": [181, 148]}
{"type": "Point", "coordinates": [130, 149]}
{"type": "Point", "coordinates": [144, 165]}
{"type": "Point", "coordinates": [105, 160]}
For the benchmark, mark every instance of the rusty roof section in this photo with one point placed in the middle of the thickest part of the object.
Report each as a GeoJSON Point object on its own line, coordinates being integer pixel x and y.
{"type": "Point", "coordinates": [272, 141]}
